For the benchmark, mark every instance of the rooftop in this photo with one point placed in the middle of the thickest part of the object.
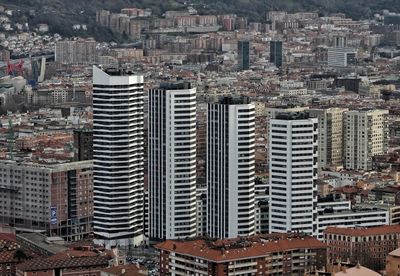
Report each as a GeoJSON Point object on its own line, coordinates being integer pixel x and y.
{"type": "Point", "coordinates": [395, 253]}
{"type": "Point", "coordinates": [292, 116]}
{"type": "Point", "coordinates": [378, 230]}
{"type": "Point", "coordinates": [40, 241]}
{"type": "Point", "coordinates": [175, 85]}
{"type": "Point", "coordinates": [356, 271]}
{"type": "Point", "coordinates": [51, 263]}
{"type": "Point", "coordinates": [119, 72]}
{"type": "Point", "coordinates": [232, 100]}
{"type": "Point", "coordinates": [126, 270]}
{"type": "Point", "coordinates": [239, 248]}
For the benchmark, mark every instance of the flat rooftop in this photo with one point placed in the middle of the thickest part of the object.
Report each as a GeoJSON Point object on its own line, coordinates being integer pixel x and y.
{"type": "Point", "coordinates": [41, 241]}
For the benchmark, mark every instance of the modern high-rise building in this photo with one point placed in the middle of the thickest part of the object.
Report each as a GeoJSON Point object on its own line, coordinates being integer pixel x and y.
{"type": "Point", "coordinates": [293, 154]}
{"type": "Point", "coordinates": [230, 168]}
{"type": "Point", "coordinates": [330, 137]}
{"type": "Point", "coordinates": [172, 161]}
{"type": "Point", "coordinates": [243, 55]}
{"type": "Point", "coordinates": [118, 156]}
{"type": "Point", "coordinates": [276, 53]}
{"type": "Point", "coordinates": [366, 134]}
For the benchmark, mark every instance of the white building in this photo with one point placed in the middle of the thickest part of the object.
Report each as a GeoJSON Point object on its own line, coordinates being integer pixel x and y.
{"type": "Point", "coordinates": [356, 217]}
{"type": "Point", "coordinates": [118, 156]}
{"type": "Point", "coordinates": [330, 137]}
{"type": "Point", "coordinates": [341, 57]}
{"type": "Point", "coordinates": [172, 161]}
{"type": "Point", "coordinates": [293, 152]}
{"type": "Point", "coordinates": [230, 168]}
{"type": "Point", "coordinates": [365, 135]}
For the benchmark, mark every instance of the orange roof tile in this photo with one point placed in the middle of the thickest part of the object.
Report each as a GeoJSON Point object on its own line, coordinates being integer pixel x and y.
{"type": "Point", "coordinates": [231, 249]}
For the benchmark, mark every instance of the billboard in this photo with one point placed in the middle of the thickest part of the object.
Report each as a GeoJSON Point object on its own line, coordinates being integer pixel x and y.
{"type": "Point", "coordinates": [53, 215]}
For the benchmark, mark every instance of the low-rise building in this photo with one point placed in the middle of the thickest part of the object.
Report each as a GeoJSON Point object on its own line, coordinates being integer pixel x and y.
{"type": "Point", "coordinates": [55, 199]}
{"type": "Point", "coordinates": [68, 265]}
{"type": "Point", "coordinates": [355, 217]}
{"type": "Point", "coordinates": [274, 254]}
{"type": "Point", "coordinates": [369, 246]}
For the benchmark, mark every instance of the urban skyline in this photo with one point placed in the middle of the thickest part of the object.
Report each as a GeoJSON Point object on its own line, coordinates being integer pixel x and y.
{"type": "Point", "coordinates": [157, 141]}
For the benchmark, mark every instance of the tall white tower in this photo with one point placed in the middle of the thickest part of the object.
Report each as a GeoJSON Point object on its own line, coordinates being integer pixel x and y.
{"type": "Point", "coordinates": [293, 155]}
{"type": "Point", "coordinates": [230, 168]}
{"type": "Point", "coordinates": [172, 161]}
{"type": "Point", "coordinates": [118, 156]}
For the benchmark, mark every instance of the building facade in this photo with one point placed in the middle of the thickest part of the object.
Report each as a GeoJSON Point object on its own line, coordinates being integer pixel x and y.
{"type": "Point", "coordinates": [293, 165]}
{"type": "Point", "coordinates": [369, 246]}
{"type": "Point", "coordinates": [341, 57]}
{"type": "Point", "coordinates": [351, 217]}
{"type": "Point", "coordinates": [118, 156]}
{"type": "Point", "coordinates": [243, 55]}
{"type": "Point", "coordinates": [83, 143]}
{"type": "Point", "coordinates": [366, 134]}
{"type": "Point", "coordinates": [172, 161]}
{"type": "Point", "coordinates": [230, 168]}
{"type": "Point", "coordinates": [254, 255]}
{"type": "Point", "coordinates": [53, 199]}
{"type": "Point", "coordinates": [76, 52]}
{"type": "Point", "coordinates": [330, 137]}
{"type": "Point", "coordinates": [276, 53]}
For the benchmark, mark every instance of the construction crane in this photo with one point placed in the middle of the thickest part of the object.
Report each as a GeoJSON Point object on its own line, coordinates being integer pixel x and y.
{"type": "Point", "coordinates": [10, 140]}
{"type": "Point", "coordinates": [13, 68]}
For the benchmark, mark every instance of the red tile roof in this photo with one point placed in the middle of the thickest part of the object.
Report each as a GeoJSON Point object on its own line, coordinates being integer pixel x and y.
{"type": "Point", "coordinates": [379, 230]}
{"type": "Point", "coordinates": [126, 270]}
{"type": "Point", "coordinates": [239, 248]}
{"type": "Point", "coordinates": [8, 237]}
{"type": "Point", "coordinates": [49, 263]}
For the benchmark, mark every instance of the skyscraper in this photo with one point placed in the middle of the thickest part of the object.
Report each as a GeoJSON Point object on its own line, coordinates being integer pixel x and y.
{"type": "Point", "coordinates": [365, 135]}
{"type": "Point", "coordinates": [172, 161]}
{"type": "Point", "coordinates": [330, 136]}
{"type": "Point", "coordinates": [293, 173]}
{"type": "Point", "coordinates": [276, 53]}
{"type": "Point", "coordinates": [243, 55]}
{"type": "Point", "coordinates": [230, 168]}
{"type": "Point", "coordinates": [118, 156]}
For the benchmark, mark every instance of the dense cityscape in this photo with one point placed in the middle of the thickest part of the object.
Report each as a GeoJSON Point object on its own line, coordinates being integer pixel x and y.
{"type": "Point", "coordinates": [200, 144]}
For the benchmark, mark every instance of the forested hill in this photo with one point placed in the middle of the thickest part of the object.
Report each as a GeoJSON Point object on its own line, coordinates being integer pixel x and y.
{"type": "Point", "coordinates": [61, 13]}
{"type": "Point", "coordinates": [252, 8]}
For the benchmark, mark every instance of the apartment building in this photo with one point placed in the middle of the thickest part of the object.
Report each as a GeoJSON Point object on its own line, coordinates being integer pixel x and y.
{"type": "Point", "coordinates": [369, 246]}
{"type": "Point", "coordinates": [293, 152]}
{"type": "Point", "coordinates": [330, 137]}
{"type": "Point", "coordinates": [172, 161]}
{"type": "Point", "coordinates": [53, 199]}
{"type": "Point", "coordinates": [230, 168]}
{"type": "Point", "coordinates": [366, 135]}
{"type": "Point", "coordinates": [278, 254]}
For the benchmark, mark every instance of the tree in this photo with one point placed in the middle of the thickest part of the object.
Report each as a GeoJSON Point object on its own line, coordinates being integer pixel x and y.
{"type": "Point", "coordinates": [20, 255]}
